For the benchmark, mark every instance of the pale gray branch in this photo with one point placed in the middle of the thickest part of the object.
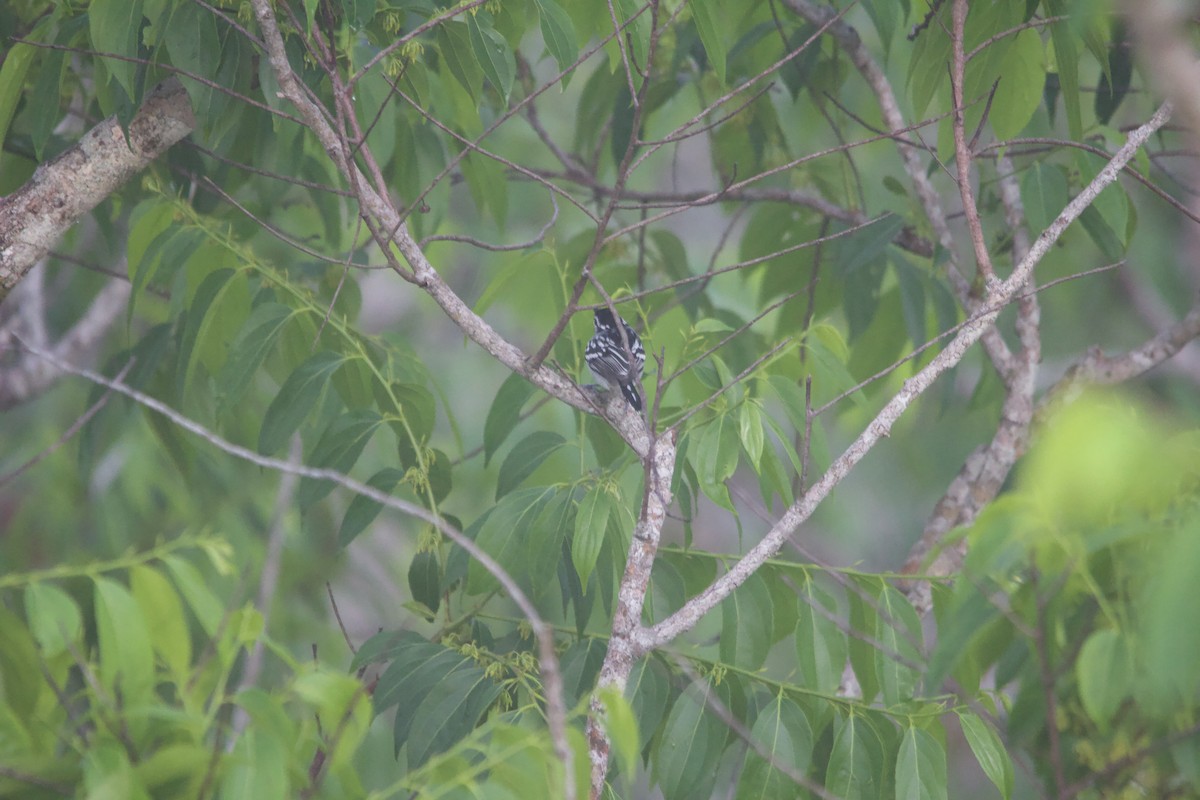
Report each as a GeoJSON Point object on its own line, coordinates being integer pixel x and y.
{"type": "Point", "coordinates": [880, 427]}
{"type": "Point", "coordinates": [30, 377]}
{"type": "Point", "coordinates": [60, 192]}
{"type": "Point", "coordinates": [548, 659]}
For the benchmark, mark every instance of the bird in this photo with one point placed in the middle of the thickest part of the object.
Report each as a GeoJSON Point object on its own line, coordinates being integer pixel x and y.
{"type": "Point", "coordinates": [617, 362]}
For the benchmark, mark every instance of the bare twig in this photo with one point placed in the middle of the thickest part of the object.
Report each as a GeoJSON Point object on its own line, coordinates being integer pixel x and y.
{"type": "Point", "coordinates": [962, 155]}
{"type": "Point", "coordinates": [268, 580]}
{"type": "Point", "coordinates": [70, 432]}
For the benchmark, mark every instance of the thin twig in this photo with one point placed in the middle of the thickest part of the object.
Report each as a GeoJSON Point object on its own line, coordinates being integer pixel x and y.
{"type": "Point", "coordinates": [70, 432]}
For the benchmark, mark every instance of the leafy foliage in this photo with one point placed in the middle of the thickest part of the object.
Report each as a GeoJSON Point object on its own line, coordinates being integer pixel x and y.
{"type": "Point", "coordinates": [775, 326]}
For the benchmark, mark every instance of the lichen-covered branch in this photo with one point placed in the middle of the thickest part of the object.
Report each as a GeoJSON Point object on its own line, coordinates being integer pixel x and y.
{"type": "Point", "coordinates": [33, 218]}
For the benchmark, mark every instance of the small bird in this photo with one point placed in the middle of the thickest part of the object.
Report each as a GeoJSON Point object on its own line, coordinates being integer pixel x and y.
{"type": "Point", "coordinates": [615, 361]}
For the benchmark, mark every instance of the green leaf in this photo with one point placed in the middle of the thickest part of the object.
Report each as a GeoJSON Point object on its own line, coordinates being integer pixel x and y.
{"type": "Point", "coordinates": [1066, 56]}
{"type": "Point", "coordinates": [792, 397]}
{"type": "Point", "coordinates": [1170, 653]}
{"type": "Point", "coordinates": [773, 477]}
{"type": "Point", "coordinates": [194, 46]}
{"type": "Point", "coordinates": [172, 246]}
{"type": "Point", "coordinates": [711, 21]}
{"type": "Point", "coordinates": [488, 185]}
{"type": "Point", "coordinates": [48, 91]}
{"type": "Point", "coordinates": [920, 767]}
{"type": "Point", "coordinates": [927, 66]}
{"type": "Point", "coordinates": [898, 630]}
{"type": "Point", "coordinates": [1019, 93]}
{"type": "Point", "coordinates": [505, 536]}
{"type": "Point", "coordinates": [417, 405]}
{"type": "Point", "coordinates": [339, 448]}
{"type": "Point", "coordinates": [455, 44]}
{"type": "Point", "coordinates": [886, 16]}
{"type": "Point", "coordinates": [1107, 218]}
{"type": "Point", "coordinates": [622, 119]}
{"type": "Point", "coordinates": [54, 618]}
{"type": "Point", "coordinates": [148, 221]}
{"type": "Point", "coordinates": [1045, 193]}
{"type": "Point", "coordinates": [108, 773]}
{"type": "Point", "coordinates": [781, 732]}
{"type": "Point", "coordinates": [717, 450]}
{"type": "Point", "coordinates": [591, 523]}
{"type": "Point", "coordinates": [864, 621]}
{"type": "Point", "coordinates": [173, 763]}
{"type": "Point", "coordinates": [967, 617]}
{"type": "Point", "coordinates": [649, 692]}
{"type": "Point", "coordinates": [12, 80]}
{"type": "Point", "coordinates": [543, 546]}
{"type": "Point", "coordinates": [452, 709]}
{"type": "Point", "coordinates": [690, 744]}
{"type": "Point", "coordinates": [747, 624]}
{"type": "Point", "coordinates": [912, 297]}
{"type": "Point", "coordinates": [637, 32]}
{"type": "Point", "coordinates": [855, 761]}
{"type": "Point", "coordinates": [257, 767]}
{"type": "Point", "coordinates": [1114, 82]}
{"type": "Point", "coordinates": [989, 752]}
{"type": "Point", "coordinates": [863, 270]}
{"type": "Point", "coordinates": [126, 655]}
{"type": "Point", "coordinates": [115, 27]}
{"type": "Point", "coordinates": [296, 398]}
{"type": "Point", "coordinates": [558, 32]}
{"type": "Point", "coordinates": [19, 666]}
{"type": "Point", "coordinates": [505, 413]}
{"type": "Point", "coordinates": [249, 349]}
{"type": "Point", "coordinates": [424, 580]}
{"type": "Point", "coordinates": [1105, 673]}
{"type": "Point", "coordinates": [385, 646]}
{"type": "Point", "coordinates": [359, 12]}
{"type": "Point", "coordinates": [494, 56]}
{"type": "Point", "coordinates": [336, 696]}
{"type": "Point", "coordinates": [751, 432]}
{"type": "Point", "coordinates": [363, 510]}
{"type": "Point", "coordinates": [199, 595]}
{"type": "Point", "coordinates": [416, 668]}
{"type": "Point", "coordinates": [163, 611]}
{"type": "Point", "coordinates": [525, 457]}
{"type": "Point", "coordinates": [1102, 235]}
{"type": "Point", "coordinates": [580, 665]}
{"type": "Point", "coordinates": [820, 644]}
{"type": "Point", "coordinates": [210, 289]}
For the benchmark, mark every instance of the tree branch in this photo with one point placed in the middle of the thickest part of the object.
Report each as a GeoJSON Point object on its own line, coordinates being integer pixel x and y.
{"type": "Point", "coordinates": [982, 475]}
{"type": "Point", "coordinates": [385, 216]}
{"type": "Point", "coordinates": [962, 154]}
{"type": "Point", "coordinates": [880, 427]}
{"type": "Point", "coordinates": [547, 657]}
{"type": "Point", "coordinates": [33, 218]}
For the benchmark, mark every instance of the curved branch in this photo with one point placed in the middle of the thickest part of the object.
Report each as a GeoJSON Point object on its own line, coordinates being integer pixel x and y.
{"type": "Point", "coordinates": [880, 427]}
{"type": "Point", "coordinates": [547, 657]}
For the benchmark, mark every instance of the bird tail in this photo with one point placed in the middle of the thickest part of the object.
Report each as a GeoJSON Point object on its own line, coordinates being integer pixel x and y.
{"type": "Point", "coordinates": [630, 390]}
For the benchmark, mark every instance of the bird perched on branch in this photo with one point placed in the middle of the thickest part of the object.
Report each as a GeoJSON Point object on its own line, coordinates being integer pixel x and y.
{"type": "Point", "coordinates": [617, 360]}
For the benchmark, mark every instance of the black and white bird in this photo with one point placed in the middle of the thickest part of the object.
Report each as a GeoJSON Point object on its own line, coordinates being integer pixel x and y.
{"type": "Point", "coordinates": [615, 361]}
